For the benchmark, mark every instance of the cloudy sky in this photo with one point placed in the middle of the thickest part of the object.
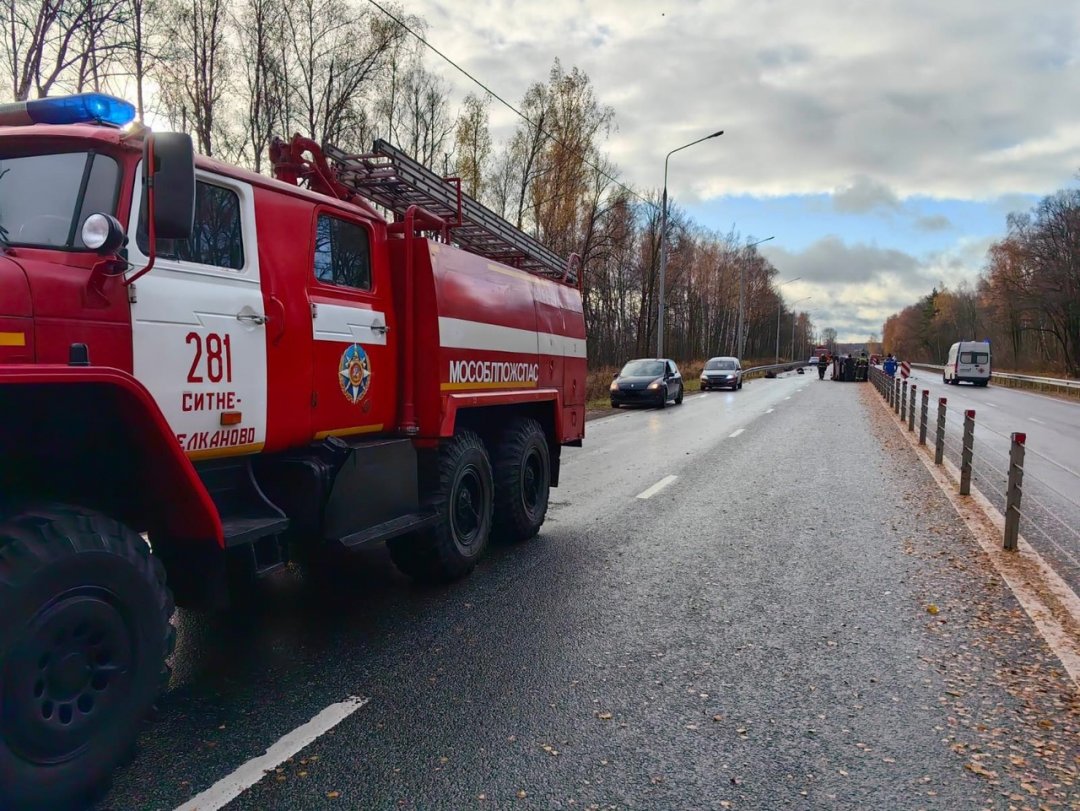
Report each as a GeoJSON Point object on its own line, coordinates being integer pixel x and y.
{"type": "Point", "coordinates": [881, 142]}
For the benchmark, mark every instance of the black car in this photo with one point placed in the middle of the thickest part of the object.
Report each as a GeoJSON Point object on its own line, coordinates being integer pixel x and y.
{"type": "Point", "coordinates": [647, 381]}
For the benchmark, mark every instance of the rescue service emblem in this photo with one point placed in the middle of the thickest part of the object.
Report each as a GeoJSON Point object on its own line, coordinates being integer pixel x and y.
{"type": "Point", "coordinates": [354, 373]}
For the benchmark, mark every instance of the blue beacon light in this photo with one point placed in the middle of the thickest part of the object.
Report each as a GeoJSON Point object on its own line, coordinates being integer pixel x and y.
{"type": "Point", "coordinates": [84, 108]}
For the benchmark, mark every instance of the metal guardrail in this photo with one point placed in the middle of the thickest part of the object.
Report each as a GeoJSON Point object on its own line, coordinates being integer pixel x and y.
{"type": "Point", "coordinates": [993, 468]}
{"type": "Point", "coordinates": [791, 365]}
{"type": "Point", "coordinates": [1008, 377]}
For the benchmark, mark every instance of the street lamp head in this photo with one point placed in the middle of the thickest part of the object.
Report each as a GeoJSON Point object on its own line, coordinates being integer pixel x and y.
{"type": "Point", "coordinates": [719, 132]}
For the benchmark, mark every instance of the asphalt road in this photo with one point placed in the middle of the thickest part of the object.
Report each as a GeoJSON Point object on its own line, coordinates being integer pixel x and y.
{"type": "Point", "coordinates": [757, 633]}
{"type": "Point", "coordinates": [1051, 514]}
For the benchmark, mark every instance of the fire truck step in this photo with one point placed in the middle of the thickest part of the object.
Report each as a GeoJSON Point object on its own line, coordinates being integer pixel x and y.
{"type": "Point", "coordinates": [247, 515]}
{"type": "Point", "coordinates": [239, 531]}
{"type": "Point", "coordinates": [393, 528]}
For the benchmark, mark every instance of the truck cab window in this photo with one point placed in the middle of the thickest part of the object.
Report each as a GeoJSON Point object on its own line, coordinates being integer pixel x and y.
{"type": "Point", "coordinates": [216, 239]}
{"type": "Point", "coordinates": [44, 199]}
{"type": "Point", "coordinates": [342, 254]}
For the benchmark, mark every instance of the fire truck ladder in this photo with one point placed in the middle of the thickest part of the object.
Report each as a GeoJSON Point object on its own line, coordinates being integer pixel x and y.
{"type": "Point", "coordinates": [393, 180]}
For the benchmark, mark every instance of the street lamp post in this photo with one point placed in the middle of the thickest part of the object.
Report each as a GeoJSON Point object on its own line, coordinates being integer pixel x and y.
{"type": "Point", "coordinates": [779, 310]}
{"type": "Point", "coordinates": [663, 246]}
{"type": "Point", "coordinates": [794, 316]}
{"type": "Point", "coordinates": [740, 338]}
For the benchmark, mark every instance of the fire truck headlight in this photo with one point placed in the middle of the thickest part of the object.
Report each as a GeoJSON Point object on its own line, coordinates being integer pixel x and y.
{"type": "Point", "coordinates": [102, 233]}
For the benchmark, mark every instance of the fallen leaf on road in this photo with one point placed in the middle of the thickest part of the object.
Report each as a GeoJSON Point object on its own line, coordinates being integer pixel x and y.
{"type": "Point", "coordinates": [977, 768]}
{"type": "Point", "coordinates": [521, 794]}
{"type": "Point", "coordinates": [604, 716]}
{"type": "Point", "coordinates": [333, 795]}
{"type": "Point", "coordinates": [932, 610]}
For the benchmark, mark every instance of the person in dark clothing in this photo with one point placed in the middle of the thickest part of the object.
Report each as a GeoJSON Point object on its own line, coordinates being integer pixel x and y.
{"type": "Point", "coordinates": [822, 362]}
{"type": "Point", "coordinates": [862, 368]}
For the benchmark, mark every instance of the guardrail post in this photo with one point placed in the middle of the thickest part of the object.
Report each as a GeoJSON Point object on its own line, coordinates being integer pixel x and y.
{"type": "Point", "coordinates": [1015, 490]}
{"type": "Point", "coordinates": [896, 397]}
{"type": "Point", "coordinates": [922, 420]}
{"type": "Point", "coordinates": [967, 452]}
{"type": "Point", "coordinates": [939, 434]}
{"type": "Point", "coordinates": [903, 401]}
{"type": "Point", "coordinates": [911, 409]}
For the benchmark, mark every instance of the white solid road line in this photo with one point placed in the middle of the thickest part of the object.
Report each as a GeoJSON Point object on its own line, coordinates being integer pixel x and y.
{"type": "Point", "coordinates": [228, 788]}
{"type": "Point", "coordinates": [732, 436]}
{"type": "Point", "coordinates": [1032, 419]}
{"type": "Point", "coordinates": [656, 488]}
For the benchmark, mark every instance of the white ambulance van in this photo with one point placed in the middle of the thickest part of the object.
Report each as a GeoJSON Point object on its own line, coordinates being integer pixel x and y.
{"type": "Point", "coordinates": [970, 361]}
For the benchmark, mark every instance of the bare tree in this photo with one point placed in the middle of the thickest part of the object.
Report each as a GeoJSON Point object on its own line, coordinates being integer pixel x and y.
{"type": "Point", "coordinates": [472, 144]}
{"type": "Point", "coordinates": [416, 114]}
{"type": "Point", "coordinates": [337, 52]}
{"type": "Point", "coordinates": [259, 27]}
{"type": "Point", "coordinates": [49, 43]}
{"type": "Point", "coordinates": [142, 25]}
{"type": "Point", "coordinates": [194, 71]}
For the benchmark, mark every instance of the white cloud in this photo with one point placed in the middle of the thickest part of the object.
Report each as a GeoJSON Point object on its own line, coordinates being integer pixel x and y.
{"type": "Point", "coordinates": [863, 195]}
{"type": "Point", "coordinates": [965, 99]}
{"type": "Point", "coordinates": [855, 287]}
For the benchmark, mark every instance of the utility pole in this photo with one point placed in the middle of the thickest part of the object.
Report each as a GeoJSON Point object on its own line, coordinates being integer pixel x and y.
{"type": "Point", "coordinates": [740, 337]}
{"type": "Point", "coordinates": [794, 318]}
{"type": "Point", "coordinates": [779, 312]}
{"type": "Point", "coordinates": [663, 247]}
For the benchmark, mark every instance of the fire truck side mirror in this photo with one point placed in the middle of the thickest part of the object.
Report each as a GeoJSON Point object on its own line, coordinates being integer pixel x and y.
{"type": "Point", "coordinates": [172, 180]}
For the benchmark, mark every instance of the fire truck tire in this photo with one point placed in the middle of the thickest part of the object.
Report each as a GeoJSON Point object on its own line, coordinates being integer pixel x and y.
{"type": "Point", "coordinates": [463, 497]}
{"type": "Point", "coordinates": [522, 481]}
{"type": "Point", "coordinates": [83, 645]}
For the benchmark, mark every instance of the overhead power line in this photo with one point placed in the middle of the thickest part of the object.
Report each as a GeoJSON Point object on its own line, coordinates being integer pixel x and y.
{"type": "Point", "coordinates": [508, 105]}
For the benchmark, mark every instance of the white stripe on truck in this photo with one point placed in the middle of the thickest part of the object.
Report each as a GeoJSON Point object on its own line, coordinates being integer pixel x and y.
{"type": "Point", "coordinates": [458, 333]}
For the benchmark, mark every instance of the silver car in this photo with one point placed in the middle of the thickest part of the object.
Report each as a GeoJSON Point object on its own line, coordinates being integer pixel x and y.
{"type": "Point", "coordinates": [721, 373]}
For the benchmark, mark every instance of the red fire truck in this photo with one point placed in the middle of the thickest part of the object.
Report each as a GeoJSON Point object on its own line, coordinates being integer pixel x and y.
{"type": "Point", "coordinates": [206, 373]}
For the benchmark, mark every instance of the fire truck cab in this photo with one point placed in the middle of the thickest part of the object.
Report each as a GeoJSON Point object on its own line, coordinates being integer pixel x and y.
{"type": "Point", "coordinates": [206, 373]}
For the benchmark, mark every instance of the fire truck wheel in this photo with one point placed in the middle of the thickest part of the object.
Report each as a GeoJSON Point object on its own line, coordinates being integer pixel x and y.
{"type": "Point", "coordinates": [463, 497]}
{"type": "Point", "coordinates": [84, 638]}
{"type": "Point", "coordinates": [522, 481]}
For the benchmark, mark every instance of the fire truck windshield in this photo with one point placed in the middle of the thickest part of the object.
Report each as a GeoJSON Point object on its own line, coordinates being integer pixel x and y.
{"type": "Point", "coordinates": [44, 199]}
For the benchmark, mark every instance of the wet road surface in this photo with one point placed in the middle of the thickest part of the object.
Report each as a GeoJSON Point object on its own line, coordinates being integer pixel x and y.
{"type": "Point", "coordinates": [753, 634]}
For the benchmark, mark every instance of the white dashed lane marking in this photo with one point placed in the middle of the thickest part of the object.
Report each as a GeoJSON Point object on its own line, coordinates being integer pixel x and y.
{"type": "Point", "coordinates": [228, 788]}
{"type": "Point", "coordinates": [656, 488]}
{"type": "Point", "coordinates": [732, 436]}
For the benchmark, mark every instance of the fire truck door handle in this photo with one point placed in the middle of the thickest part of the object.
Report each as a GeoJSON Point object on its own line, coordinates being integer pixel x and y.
{"type": "Point", "coordinates": [382, 329]}
{"type": "Point", "coordinates": [252, 318]}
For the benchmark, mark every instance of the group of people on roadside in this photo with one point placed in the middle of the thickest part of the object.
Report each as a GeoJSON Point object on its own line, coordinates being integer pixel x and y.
{"type": "Point", "coordinates": [838, 362]}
